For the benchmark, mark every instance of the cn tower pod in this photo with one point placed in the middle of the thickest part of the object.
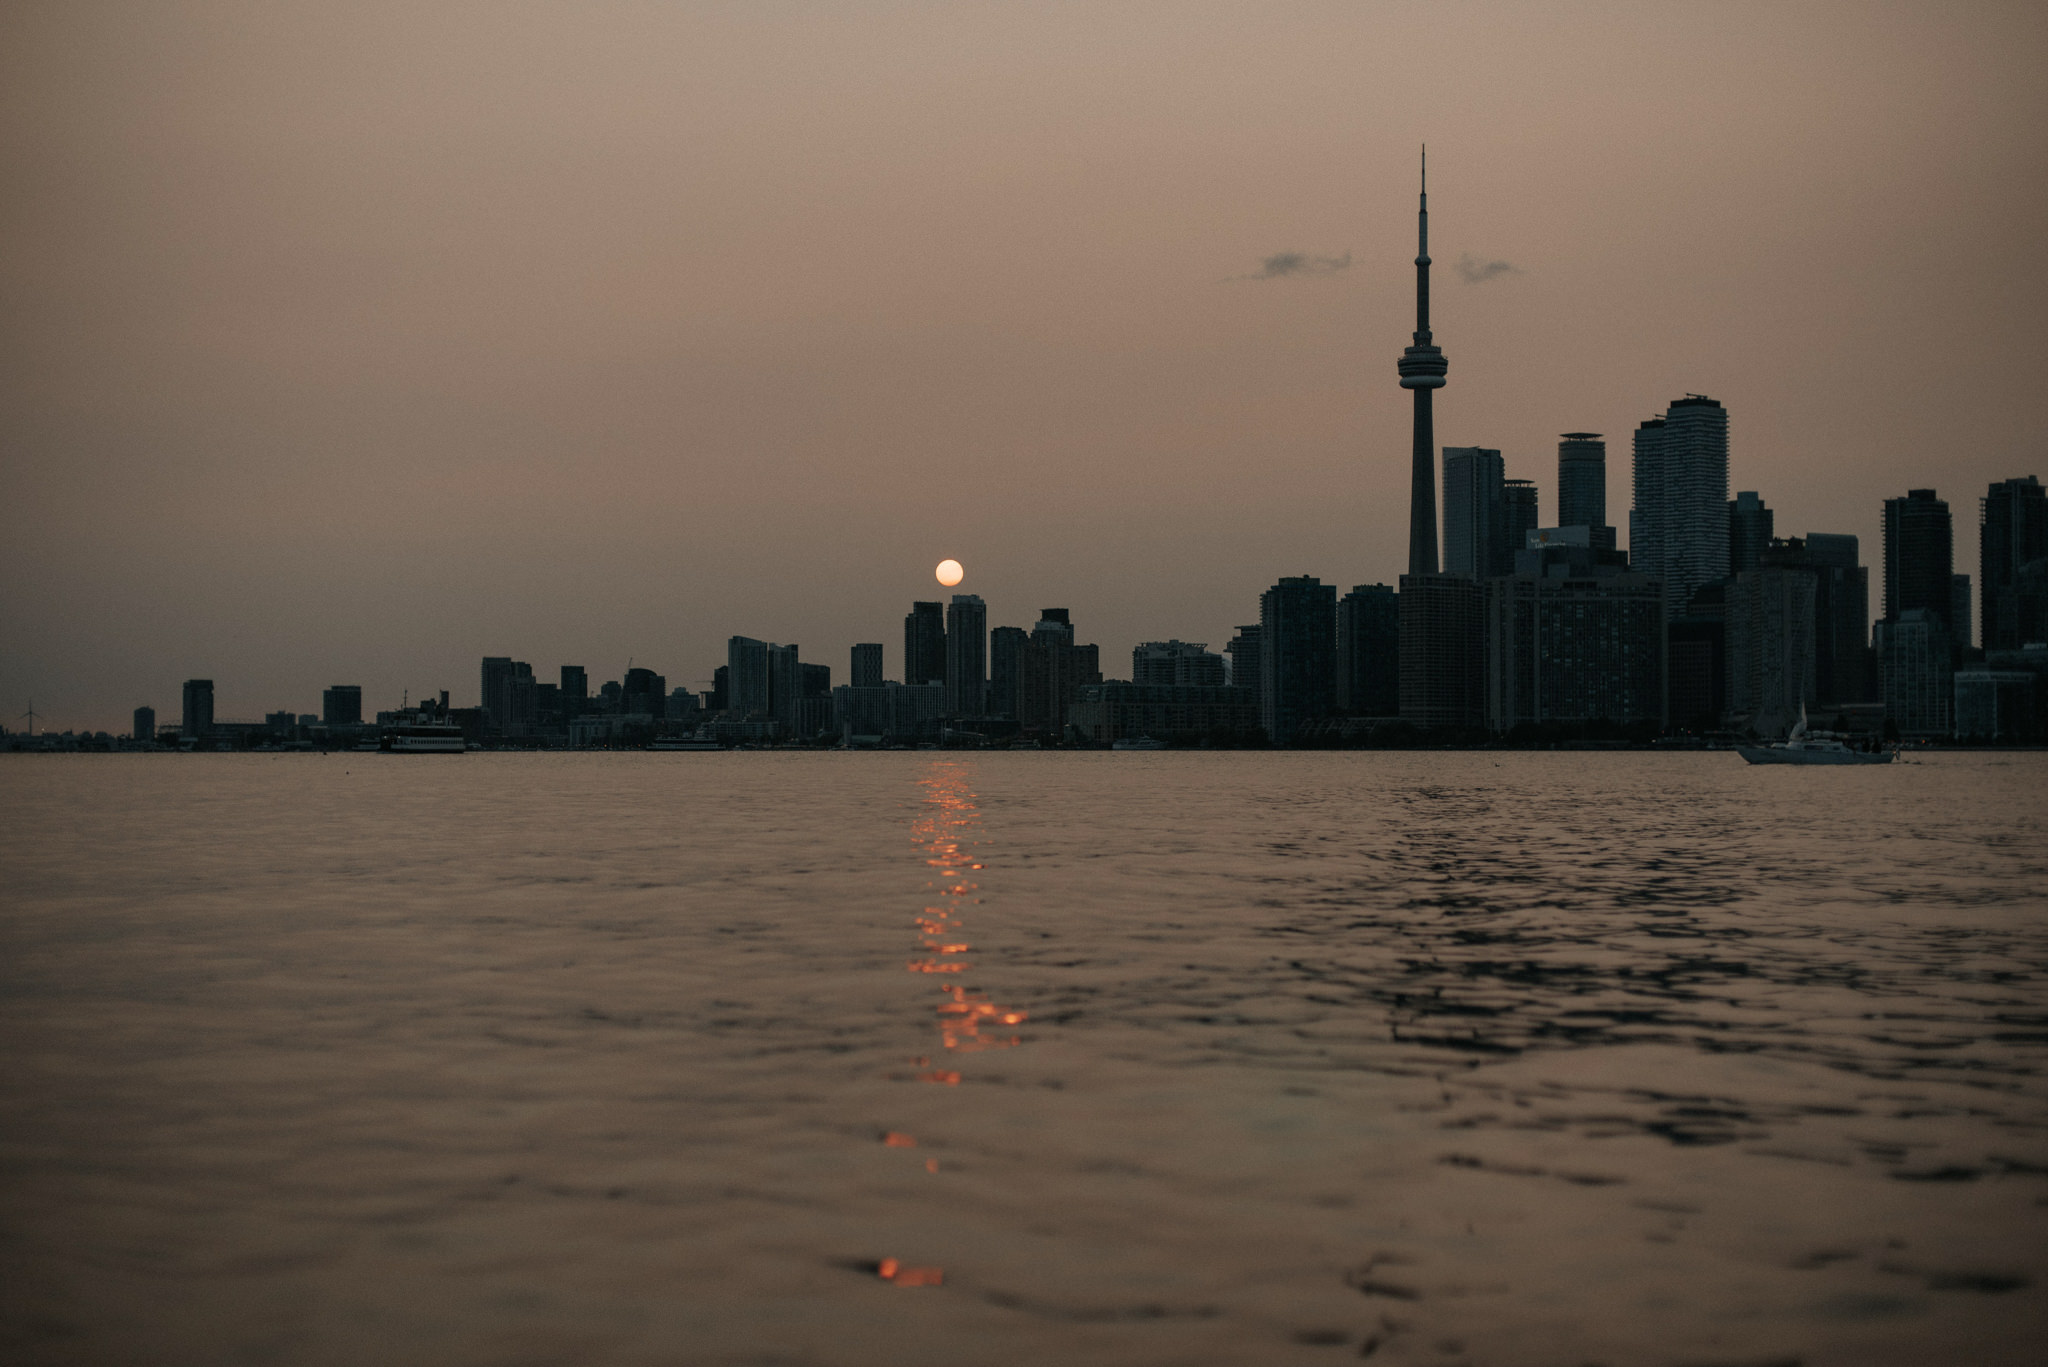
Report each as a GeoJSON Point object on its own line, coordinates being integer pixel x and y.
{"type": "Point", "coordinates": [1423, 367]}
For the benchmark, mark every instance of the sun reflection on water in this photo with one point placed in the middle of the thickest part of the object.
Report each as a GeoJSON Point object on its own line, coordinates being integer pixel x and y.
{"type": "Point", "coordinates": [967, 1020]}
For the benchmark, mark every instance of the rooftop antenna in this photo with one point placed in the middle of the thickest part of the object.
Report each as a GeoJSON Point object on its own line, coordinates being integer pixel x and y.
{"type": "Point", "coordinates": [31, 715]}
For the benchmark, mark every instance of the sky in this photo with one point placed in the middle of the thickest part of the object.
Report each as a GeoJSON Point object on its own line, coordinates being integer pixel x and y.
{"type": "Point", "coordinates": [351, 344]}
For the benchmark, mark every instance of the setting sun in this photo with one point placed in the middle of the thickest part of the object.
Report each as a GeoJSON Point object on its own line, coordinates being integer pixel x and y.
{"type": "Point", "coordinates": [950, 573]}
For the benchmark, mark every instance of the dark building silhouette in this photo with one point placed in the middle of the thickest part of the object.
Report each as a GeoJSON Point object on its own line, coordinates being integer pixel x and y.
{"type": "Point", "coordinates": [1423, 370]}
{"type": "Point", "coordinates": [746, 684]}
{"type": "Point", "coordinates": [1582, 480]}
{"type": "Point", "coordinates": [1771, 651]}
{"type": "Point", "coordinates": [1678, 528]}
{"type": "Point", "coordinates": [1572, 640]}
{"type": "Point", "coordinates": [509, 695]}
{"type": "Point", "coordinates": [342, 705]}
{"type": "Point", "coordinates": [1520, 516]}
{"type": "Point", "coordinates": [1005, 660]}
{"type": "Point", "coordinates": [1246, 659]}
{"type": "Point", "coordinates": [1297, 652]}
{"type": "Point", "coordinates": [198, 715]}
{"type": "Point", "coordinates": [720, 698]}
{"type": "Point", "coordinates": [785, 684]}
{"type": "Point", "coordinates": [2012, 567]}
{"type": "Point", "coordinates": [1916, 664]}
{"type": "Point", "coordinates": [1918, 556]}
{"type": "Point", "coordinates": [1176, 663]}
{"type": "Point", "coordinates": [1841, 620]}
{"type": "Point", "coordinates": [966, 675]}
{"type": "Point", "coordinates": [1750, 527]}
{"type": "Point", "coordinates": [1474, 510]}
{"type": "Point", "coordinates": [1696, 661]}
{"type": "Point", "coordinates": [575, 688]}
{"type": "Point", "coordinates": [924, 644]}
{"type": "Point", "coordinates": [1959, 610]}
{"type": "Point", "coordinates": [1052, 670]}
{"type": "Point", "coordinates": [1105, 713]}
{"type": "Point", "coordinates": [817, 681]}
{"type": "Point", "coordinates": [643, 692]}
{"type": "Point", "coordinates": [145, 724]}
{"type": "Point", "coordinates": [1368, 682]}
{"type": "Point", "coordinates": [1443, 651]}
{"type": "Point", "coordinates": [867, 665]}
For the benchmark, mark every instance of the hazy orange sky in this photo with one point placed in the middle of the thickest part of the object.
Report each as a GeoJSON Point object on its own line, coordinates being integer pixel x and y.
{"type": "Point", "coordinates": [349, 344]}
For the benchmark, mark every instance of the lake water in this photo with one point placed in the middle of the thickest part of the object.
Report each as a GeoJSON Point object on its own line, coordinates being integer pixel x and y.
{"type": "Point", "coordinates": [1171, 1058]}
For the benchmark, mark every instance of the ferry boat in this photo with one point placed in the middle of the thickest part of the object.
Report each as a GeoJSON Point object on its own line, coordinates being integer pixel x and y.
{"type": "Point", "coordinates": [1811, 747]}
{"type": "Point", "coordinates": [424, 730]}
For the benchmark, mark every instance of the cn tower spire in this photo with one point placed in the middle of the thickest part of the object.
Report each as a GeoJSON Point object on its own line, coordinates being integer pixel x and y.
{"type": "Point", "coordinates": [1422, 369]}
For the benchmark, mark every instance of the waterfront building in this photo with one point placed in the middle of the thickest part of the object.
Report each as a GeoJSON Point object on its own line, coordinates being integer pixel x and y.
{"type": "Point", "coordinates": [1770, 640]}
{"type": "Point", "coordinates": [966, 675]}
{"type": "Point", "coordinates": [1052, 670]}
{"type": "Point", "coordinates": [746, 681]}
{"type": "Point", "coordinates": [1005, 660]}
{"type": "Point", "coordinates": [1297, 655]}
{"type": "Point", "coordinates": [1916, 662]}
{"type": "Point", "coordinates": [924, 644]}
{"type": "Point", "coordinates": [643, 691]}
{"type": "Point", "coordinates": [1995, 704]}
{"type": "Point", "coordinates": [2012, 579]}
{"type": "Point", "coordinates": [1573, 643]}
{"type": "Point", "coordinates": [1750, 526]}
{"type": "Point", "coordinates": [1443, 651]}
{"type": "Point", "coordinates": [508, 695]}
{"type": "Point", "coordinates": [575, 687]}
{"type": "Point", "coordinates": [1678, 529]}
{"type": "Point", "coordinates": [1368, 682]}
{"type": "Point", "coordinates": [1168, 663]}
{"type": "Point", "coordinates": [1696, 662]}
{"type": "Point", "coordinates": [1246, 662]}
{"type": "Point", "coordinates": [198, 713]}
{"type": "Point", "coordinates": [1520, 516]}
{"type": "Point", "coordinates": [1582, 481]}
{"type": "Point", "coordinates": [145, 724]}
{"type": "Point", "coordinates": [1918, 557]}
{"type": "Point", "coordinates": [867, 665]}
{"type": "Point", "coordinates": [785, 684]}
{"type": "Point", "coordinates": [1108, 712]}
{"type": "Point", "coordinates": [1841, 620]}
{"type": "Point", "coordinates": [342, 705]}
{"type": "Point", "coordinates": [1474, 509]}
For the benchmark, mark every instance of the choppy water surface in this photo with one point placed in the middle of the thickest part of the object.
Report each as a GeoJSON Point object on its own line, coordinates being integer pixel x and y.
{"type": "Point", "coordinates": [1145, 1058]}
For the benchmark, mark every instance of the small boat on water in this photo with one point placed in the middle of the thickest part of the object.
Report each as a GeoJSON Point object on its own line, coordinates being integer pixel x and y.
{"type": "Point", "coordinates": [1811, 747]}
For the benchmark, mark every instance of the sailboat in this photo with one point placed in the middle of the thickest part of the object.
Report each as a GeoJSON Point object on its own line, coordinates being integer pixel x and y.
{"type": "Point", "coordinates": [1811, 747]}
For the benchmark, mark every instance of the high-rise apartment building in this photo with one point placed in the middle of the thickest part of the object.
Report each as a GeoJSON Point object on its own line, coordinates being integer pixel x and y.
{"type": "Point", "coordinates": [1052, 669]}
{"type": "Point", "coordinates": [1246, 659]}
{"type": "Point", "coordinates": [1750, 527]}
{"type": "Point", "coordinates": [1005, 661]}
{"type": "Point", "coordinates": [966, 674]}
{"type": "Point", "coordinates": [1473, 509]}
{"type": "Point", "coordinates": [1368, 682]}
{"type": "Point", "coordinates": [198, 716]}
{"type": "Point", "coordinates": [1841, 620]}
{"type": "Point", "coordinates": [509, 695]}
{"type": "Point", "coordinates": [643, 693]}
{"type": "Point", "coordinates": [342, 705]}
{"type": "Point", "coordinates": [924, 644]}
{"type": "Point", "coordinates": [1678, 528]}
{"type": "Point", "coordinates": [1443, 651]}
{"type": "Point", "coordinates": [1582, 480]}
{"type": "Point", "coordinates": [867, 665]}
{"type": "Point", "coordinates": [1919, 558]}
{"type": "Point", "coordinates": [746, 678]}
{"type": "Point", "coordinates": [1520, 516]}
{"type": "Point", "coordinates": [1916, 662]}
{"type": "Point", "coordinates": [1298, 646]}
{"type": "Point", "coordinates": [145, 724]}
{"type": "Point", "coordinates": [575, 688]}
{"type": "Point", "coordinates": [1574, 645]}
{"type": "Point", "coordinates": [2012, 579]}
{"type": "Point", "coordinates": [785, 684]}
{"type": "Point", "coordinates": [1771, 653]}
{"type": "Point", "coordinates": [1959, 610]}
{"type": "Point", "coordinates": [1176, 663]}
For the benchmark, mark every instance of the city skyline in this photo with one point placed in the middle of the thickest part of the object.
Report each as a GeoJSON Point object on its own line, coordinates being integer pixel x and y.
{"type": "Point", "coordinates": [237, 456]}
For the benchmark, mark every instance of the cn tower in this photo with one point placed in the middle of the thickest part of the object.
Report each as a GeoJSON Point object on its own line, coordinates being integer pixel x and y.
{"type": "Point", "coordinates": [1422, 370]}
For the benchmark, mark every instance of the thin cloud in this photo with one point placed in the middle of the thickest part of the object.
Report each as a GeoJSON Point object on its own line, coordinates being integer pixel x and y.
{"type": "Point", "coordinates": [1477, 272]}
{"type": "Point", "coordinates": [1281, 265]}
